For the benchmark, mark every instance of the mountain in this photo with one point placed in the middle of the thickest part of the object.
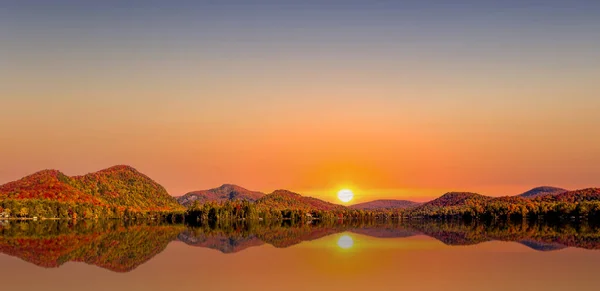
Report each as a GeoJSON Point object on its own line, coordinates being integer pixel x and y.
{"type": "Point", "coordinates": [125, 186]}
{"type": "Point", "coordinates": [543, 190]}
{"type": "Point", "coordinates": [46, 185]}
{"type": "Point", "coordinates": [118, 187]}
{"type": "Point", "coordinates": [384, 204]}
{"type": "Point", "coordinates": [456, 199]}
{"type": "Point", "coordinates": [589, 194]}
{"type": "Point", "coordinates": [284, 199]}
{"type": "Point", "coordinates": [220, 194]}
{"type": "Point", "coordinates": [452, 203]}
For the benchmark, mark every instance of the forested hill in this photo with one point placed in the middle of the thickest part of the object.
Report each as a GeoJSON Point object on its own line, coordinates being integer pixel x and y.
{"type": "Point", "coordinates": [125, 186]}
{"type": "Point", "coordinates": [456, 199]}
{"type": "Point", "coordinates": [110, 192]}
{"type": "Point", "coordinates": [577, 196]}
{"type": "Point", "coordinates": [580, 204]}
{"type": "Point", "coordinates": [284, 199]}
{"type": "Point", "coordinates": [219, 194]}
{"type": "Point", "coordinates": [46, 185]}
{"type": "Point", "coordinates": [451, 202]}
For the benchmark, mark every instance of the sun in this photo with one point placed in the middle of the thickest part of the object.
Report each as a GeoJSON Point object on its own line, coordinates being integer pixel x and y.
{"type": "Point", "coordinates": [345, 195]}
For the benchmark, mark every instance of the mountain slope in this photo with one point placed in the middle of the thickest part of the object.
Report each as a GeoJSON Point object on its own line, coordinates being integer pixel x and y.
{"type": "Point", "coordinates": [220, 194]}
{"type": "Point", "coordinates": [543, 190]}
{"type": "Point", "coordinates": [125, 186]}
{"type": "Point", "coordinates": [46, 185]}
{"type": "Point", "coordinates": [284, 199]}
{"type": "Point", "coordinates": [384, 204]}
{"type": "Point", "coordinates": [589, 194]}
{"type": "Point", "coordinates": [450, 204]}
{"type": "Point", "coordinates": [116, 187]}
{"type": "Point", "coordinates": [456, 199]}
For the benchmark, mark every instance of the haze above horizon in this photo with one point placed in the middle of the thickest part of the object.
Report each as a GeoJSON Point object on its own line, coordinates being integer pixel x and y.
{"type": "Point", "coordinates": [403, 100]}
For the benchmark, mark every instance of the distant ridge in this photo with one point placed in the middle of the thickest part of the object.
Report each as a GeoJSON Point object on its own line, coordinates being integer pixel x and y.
{"type": "Point", "coordinates": [384, 204]}
{"type": "Point", "coordinates": [543, 190]}
{"type": "Point", "coordinates": [220, 194]}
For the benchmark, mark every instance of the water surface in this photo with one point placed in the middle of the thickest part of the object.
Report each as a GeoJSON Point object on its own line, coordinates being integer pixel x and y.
{"type": "Point", "coordinates": [117, 255]}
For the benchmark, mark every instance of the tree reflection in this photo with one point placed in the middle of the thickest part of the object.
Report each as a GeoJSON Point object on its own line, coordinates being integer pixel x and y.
{"type": "Point", "coordinates": [121, 246]}
{"type": "Point", "coordinates": [114, 245]}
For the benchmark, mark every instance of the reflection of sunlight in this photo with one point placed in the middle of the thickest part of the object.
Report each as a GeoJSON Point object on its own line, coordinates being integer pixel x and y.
{"type": "Point", "coordinates": [345, 242]}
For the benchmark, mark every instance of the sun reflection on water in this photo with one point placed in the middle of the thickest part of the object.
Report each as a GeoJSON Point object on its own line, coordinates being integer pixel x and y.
{"type": "Point", "coordinates": [345, 242]}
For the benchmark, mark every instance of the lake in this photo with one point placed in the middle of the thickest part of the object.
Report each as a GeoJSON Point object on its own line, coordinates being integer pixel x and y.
{"type": "Point", "coordinates": [413, 255]}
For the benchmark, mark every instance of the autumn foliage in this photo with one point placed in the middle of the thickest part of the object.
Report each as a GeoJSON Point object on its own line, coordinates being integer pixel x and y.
{"type": "Point", "coordinates": [114, 192]}
{"type": "Point", "coordinates": [115, 245]}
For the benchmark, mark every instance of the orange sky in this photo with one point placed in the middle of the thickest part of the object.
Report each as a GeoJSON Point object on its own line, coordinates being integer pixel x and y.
{"type": "Point", "coordinates": [381, 149]}
{"type": "Point", "coordinates": [307, 131]}
{"type": "Point", "coordinates": [392, 107]}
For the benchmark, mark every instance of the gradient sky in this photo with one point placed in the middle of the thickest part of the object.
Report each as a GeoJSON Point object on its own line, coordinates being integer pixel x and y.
{"type": "Point", "coordinates": [403, 99]}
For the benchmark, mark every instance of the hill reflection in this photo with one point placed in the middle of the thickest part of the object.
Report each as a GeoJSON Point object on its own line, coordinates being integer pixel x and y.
{"type": "Point", "coordinates": [122, 246]}
{"type": "Point", "coordinates": [114, 245]}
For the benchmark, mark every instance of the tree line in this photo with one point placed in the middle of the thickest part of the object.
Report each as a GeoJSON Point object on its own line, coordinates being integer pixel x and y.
{"type": "Point", "coordinates": [509, 209]}
{"type": "Point", "coordinates": [495, 209]}
{"type": "Point", "coordinates": [52, 209]}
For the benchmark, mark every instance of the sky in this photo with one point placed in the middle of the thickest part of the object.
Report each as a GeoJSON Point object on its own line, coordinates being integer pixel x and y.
{"type": "Point", "coordinates": [393, 99]}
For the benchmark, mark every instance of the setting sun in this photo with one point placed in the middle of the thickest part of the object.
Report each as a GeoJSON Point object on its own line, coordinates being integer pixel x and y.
{"type": "Point", "coordinates": [345, 195]}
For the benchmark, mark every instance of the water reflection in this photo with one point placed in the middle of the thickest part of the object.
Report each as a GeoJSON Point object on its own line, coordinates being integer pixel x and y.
{"type": "Point", "coordinates": [114, 245]}
{"type": "Point", "coordinates": [345, 242]}
{"type": "Point", "coordinates": [123, 246]}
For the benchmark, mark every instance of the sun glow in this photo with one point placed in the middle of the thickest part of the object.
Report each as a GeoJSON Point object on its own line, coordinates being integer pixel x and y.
{"type": "Point", "coordinates": [345, 195]}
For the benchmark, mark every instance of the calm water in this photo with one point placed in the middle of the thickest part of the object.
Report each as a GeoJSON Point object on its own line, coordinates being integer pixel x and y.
{"type": "Point", "coordinates": [113, 255]}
